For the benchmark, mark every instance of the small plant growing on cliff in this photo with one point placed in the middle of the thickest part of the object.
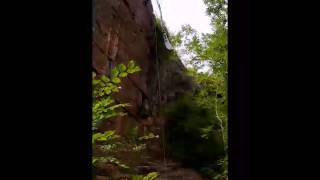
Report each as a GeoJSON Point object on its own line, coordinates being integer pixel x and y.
{"type": "Point", "coordinates": [104, 108]}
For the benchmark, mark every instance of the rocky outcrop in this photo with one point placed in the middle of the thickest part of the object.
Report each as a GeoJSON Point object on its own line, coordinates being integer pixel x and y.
{"type": "Point", "coordinates": [125, 30]}
{"type": "Point", "coordinates": [122, 31]}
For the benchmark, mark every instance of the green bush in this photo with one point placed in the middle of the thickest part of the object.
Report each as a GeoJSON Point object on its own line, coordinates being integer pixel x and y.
{"type": "Point", "coordinates": [193, 135]}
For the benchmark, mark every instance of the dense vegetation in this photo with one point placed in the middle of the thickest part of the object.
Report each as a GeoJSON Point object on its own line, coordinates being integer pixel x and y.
{"type": "Point", "coordinates": [202, 118]}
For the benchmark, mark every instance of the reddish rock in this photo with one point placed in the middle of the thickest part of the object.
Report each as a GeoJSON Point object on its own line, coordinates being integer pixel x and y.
{"type": "Point", "coordinates": [124, 30]}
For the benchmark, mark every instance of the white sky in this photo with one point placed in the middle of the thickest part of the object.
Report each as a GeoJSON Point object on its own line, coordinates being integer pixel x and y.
{"type": "Point", "coordinates": [179, 12]}
{"type": "Point", "coordinates": [176, 13]}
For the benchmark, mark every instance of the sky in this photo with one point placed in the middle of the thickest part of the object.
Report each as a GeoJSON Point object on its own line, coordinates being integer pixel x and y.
{"type": "Point", "coordinates": [176, 13]}
{"type": "Point", "coordinates": [179, 12]}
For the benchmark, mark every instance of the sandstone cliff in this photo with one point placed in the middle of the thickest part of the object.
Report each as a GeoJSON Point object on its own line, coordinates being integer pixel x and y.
{"type": "Point", "coordinates": [125, 30]}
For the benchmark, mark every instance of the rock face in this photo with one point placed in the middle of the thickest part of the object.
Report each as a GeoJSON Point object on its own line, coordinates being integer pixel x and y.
{"type": "Point", "coordinates": [125, 30]}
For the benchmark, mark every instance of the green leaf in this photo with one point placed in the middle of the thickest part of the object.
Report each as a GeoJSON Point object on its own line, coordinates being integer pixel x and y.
{"type": "Point", "coordinates": [151, 176]}
{"type": "Point", "coordinates": [149, 136]}
{"type": "Point", "coordinates": [116, 80]}
{"type": "Point", "coordinates": [107, 91]}
{"type": "Point", "coordinates": [108, 134]}
{"type": "Point", "coordinates": [101, 83]}
{"type": "Point", "coordinates": [114, 72]}
{"type": "Point", "coordinates": [131, 64]}
{"type": "Point", "coordinates": [95, 161]}
{"type": "Point", "coordinates": [115, 89]}
{"type": "Point", "coordinates": [122, 68]}
{"type": "Point", "coordinates": [95, 82]}
{"type": "Point", "coordinates": [134, 69]}
{"type": "Point", "coordinates": [130, 71]}
{"type": "Point", "coordinates": [124, 166]}
{"type": "Point", "coordinates": [123, 74]}
{"type": "Point", "coordinates": [110, 85]}
{"type": "Point", "coordinates": [117, 106]}
{"type": "Point", "coordinates": [103, 137]}
{"type": "Point", "coordinates": [105, 79]}
{"type": "Point", "coordinates": [137, 69]}
{"type": "Point", "coordinates": [95, 137]}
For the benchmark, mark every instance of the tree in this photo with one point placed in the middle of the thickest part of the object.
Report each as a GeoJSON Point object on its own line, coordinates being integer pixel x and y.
{"type": "Point", "coordinates": [209, 50]}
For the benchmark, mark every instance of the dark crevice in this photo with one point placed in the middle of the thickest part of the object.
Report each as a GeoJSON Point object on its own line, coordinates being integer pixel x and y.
{"type": "Point", "coordinates": [145, 2]}
{"type": "Point", "coordinates": [126, 3]}
{"type": "Point", "coordinates": [114, 16]}
{"type": "Point", "coordinates": [114, 9]}
{"type": "Point", "coordinates": [129, 9]}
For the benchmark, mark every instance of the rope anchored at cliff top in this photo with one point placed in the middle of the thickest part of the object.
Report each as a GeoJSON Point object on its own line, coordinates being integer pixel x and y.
{"type": "Point", "coordinates": [168, 45]}
{"type": "Point", "coordinates": [164, 34]}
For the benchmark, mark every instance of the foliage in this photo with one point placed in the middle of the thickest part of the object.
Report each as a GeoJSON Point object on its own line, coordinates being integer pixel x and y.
{"type": "Point", "coordinates": [223, 163]}
{"type": "Point", "coordinates": [150, 176]}
{"type": "Point", "coordinates": [212, 95]}
{"type": "Point", "coordinates": [217, 10]}
{"type": "Point", "coordinates": [103, 104]}
{"type": "Point", "coordinates": [209, 51]}
{"type": "Point", "coordinates": [104, 108]}
{"type": "Point", "coordinates": [188, 119]}
{"type": "Point", "coordinates": [112, 160]}
{"type": "Point", "coordinates": [149, 136]}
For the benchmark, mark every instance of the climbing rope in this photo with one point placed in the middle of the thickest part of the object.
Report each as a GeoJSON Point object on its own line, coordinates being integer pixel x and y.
{"type": "Point", "coordinates": [159, 97]}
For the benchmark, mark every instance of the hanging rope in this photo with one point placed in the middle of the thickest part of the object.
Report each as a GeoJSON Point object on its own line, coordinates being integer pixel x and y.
{"type": "Point", "coordinates": [159, 98]}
